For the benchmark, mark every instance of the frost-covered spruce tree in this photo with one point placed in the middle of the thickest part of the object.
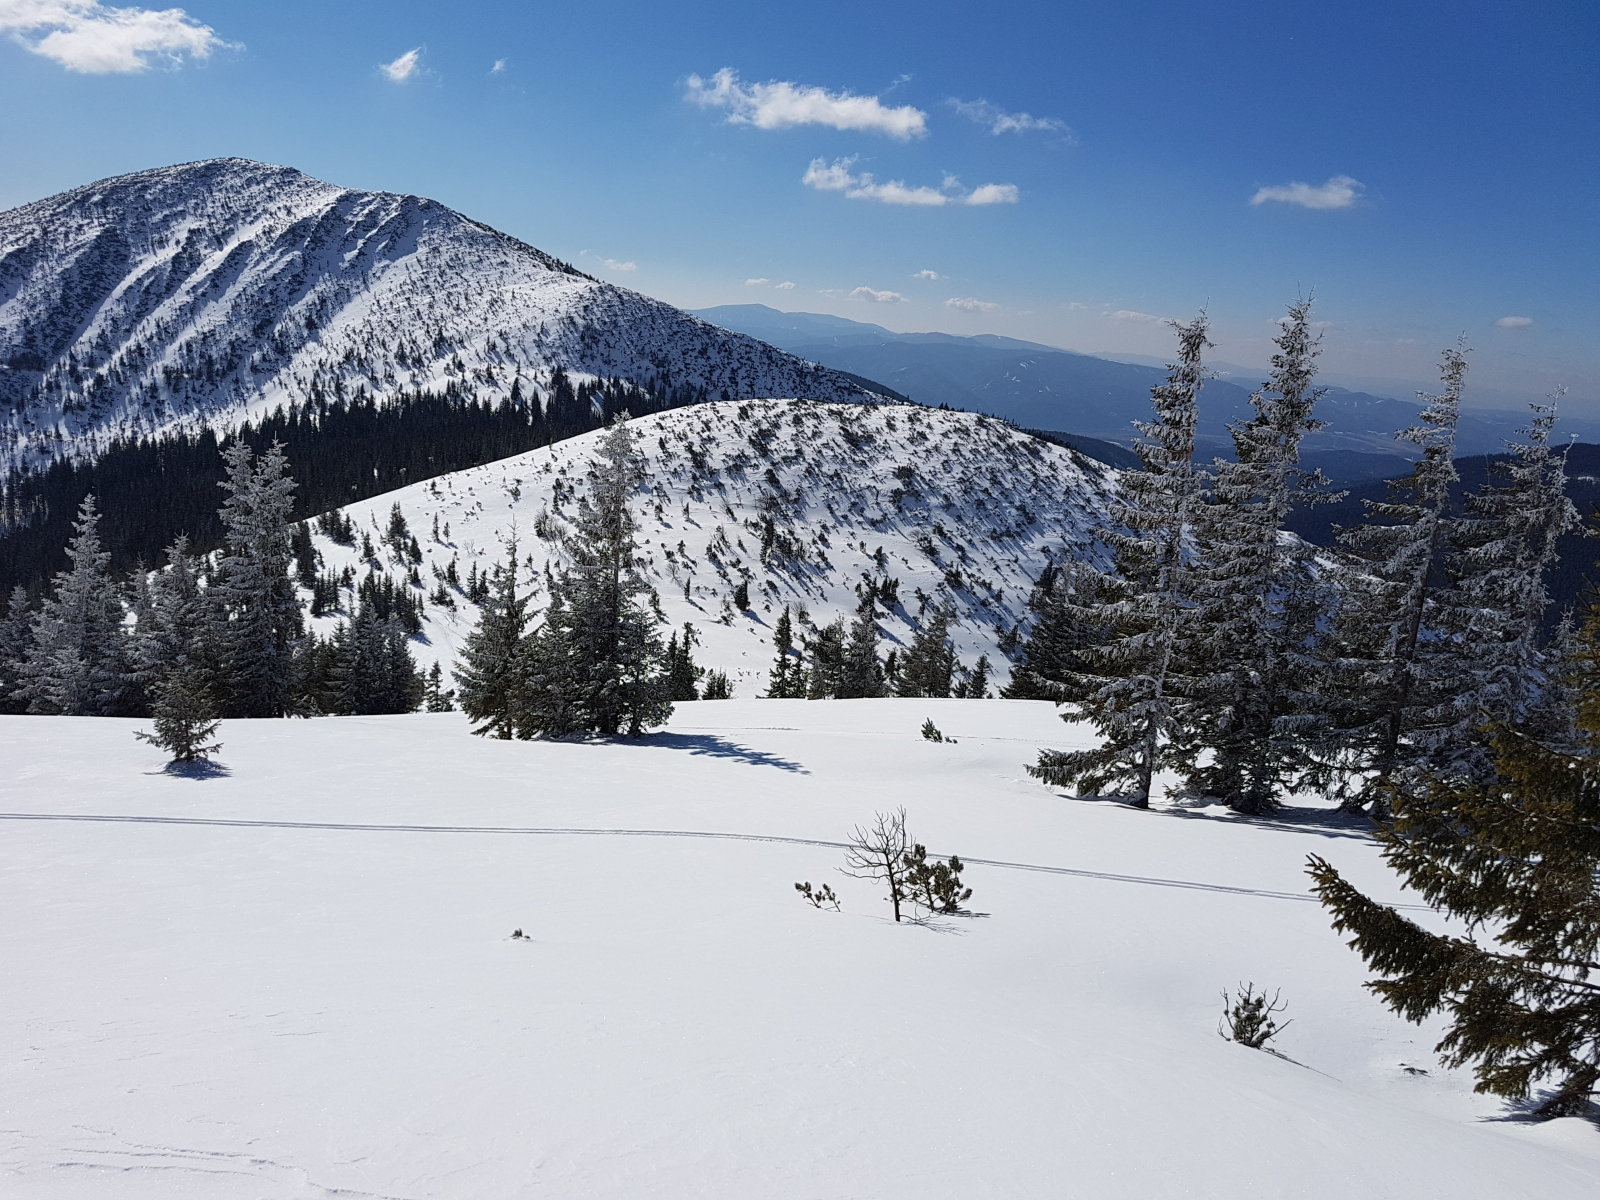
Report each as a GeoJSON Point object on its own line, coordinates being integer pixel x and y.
{"type": "Point", "coordinates": [491, 674]}
{"type": "Point", "coordinates": [254, 583]}
{"type": "Point", "coordinates": [16, 636]}
{"type": "Point", "coordinates": [372, 669]}
{"type": "Point", "coordinates": [1502, 579]}
{"type": "Point", "coordinates": [77, 663]}
{"type": "Point", "coordinates": [1255, 691]}
{"type": "Point", "coordinates": [1133, 688]}
{"type": "Point", "coordinates": [599, 649]}
{"type": "Point", "coordinates": [1402, 679]}
{"type": "Point", "coordinates": [177, 627]}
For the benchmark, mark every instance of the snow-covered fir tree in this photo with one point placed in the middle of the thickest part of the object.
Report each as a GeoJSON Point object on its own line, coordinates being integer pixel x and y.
{"type": "Point", "coordinates": [1255, 612]}
{"type": "Point", "coordinates": [861, 673]}
{"type": "Point", "coordinates": [1402, 683]}
{"type": "Point", "coordinates": [16, 636]}
{"type": "Point", "coordinates": [176, 628]}
{"type": "Point", "coordinates": [254, 583]}
{"type": "Point", "coordinates": [598, 656]}
{"type": "Point", "coordinates": [1049, 658]}
{"type": "Point", "coordinates": [372, 670]}
{"type": "Point", "coordinates": [1133, 690]}
{"type": "Point", "coordinates": [77, 662]}
{"type": "Point", "coordinates": [491, 674]}
{"type": "Point", "coordinates": [184, 715]}
{"type": "Point", "coordinates": [1522, 513]}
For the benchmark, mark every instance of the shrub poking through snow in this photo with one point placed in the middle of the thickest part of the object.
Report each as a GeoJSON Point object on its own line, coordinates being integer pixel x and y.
{"type": "Point", "coordinates": [1247, 1017]}
{"type": "Point", "coordinates": [935, 885]}
{"type": "Point", "coordinates": [932, 733]}
{"type": "Point", "coordinates": [819, 896]}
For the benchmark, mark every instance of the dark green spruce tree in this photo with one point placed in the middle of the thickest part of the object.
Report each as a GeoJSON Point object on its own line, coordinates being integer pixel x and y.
{"type": "Point", "coordinates": [491, 675]}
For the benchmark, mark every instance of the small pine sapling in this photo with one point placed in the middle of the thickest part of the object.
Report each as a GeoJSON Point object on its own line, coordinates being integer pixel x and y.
{"type": "Point", "coordinates": [819, 896]}
{"type": "Point", "coordinates": [1247, 1017]}
{"type": "Point", "coordinates": [718, 686]}
{"type": "Point", "coordinates": [935, 885]}
{"type": "Point", "coordinates": [184, 720]}
{"type": "Point", "coordinates": [930, 731]}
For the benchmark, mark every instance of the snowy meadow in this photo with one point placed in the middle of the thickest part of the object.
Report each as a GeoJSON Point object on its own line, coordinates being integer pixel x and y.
{"type": "Point", "coordinates": [293, 975]}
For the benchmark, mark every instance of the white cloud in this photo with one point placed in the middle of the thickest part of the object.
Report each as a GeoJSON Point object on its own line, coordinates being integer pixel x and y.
{"type": "Point", "coordinates": [839, 176]}
{"type": "Point", "coordinates": [1514, 322]}
{"type": "Point", "coordinates": [930, 276]}
{"type": "Point", "coordinates": [404, 67]}
{"type": "Point", "coordinates": [999, 121]}
{"type": "Point", "coordinates": [874, 296]}
{"type": "Point", "coordinates": [612, 264]}
{"type": "Point", "coordinates": [786, 286]}
{"type": "Point", "coordinates": [96, 39]}
{"type": "Point", "coordinates": [1339, 192]}
{"type": "Point", "coordinates": [499, 67]}
{"type": "Point", "coordinates": [780, 105]}
{"type": "Point", "coordinates": [761, 282]}
{"type": "Point", "coordinates": [968, 304]}
{"type": "Point", "coordinates": [1137, 318]}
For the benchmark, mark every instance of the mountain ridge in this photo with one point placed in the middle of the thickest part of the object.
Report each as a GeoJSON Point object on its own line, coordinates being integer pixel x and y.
{"type": "Point", "coordinates": [197, 294]}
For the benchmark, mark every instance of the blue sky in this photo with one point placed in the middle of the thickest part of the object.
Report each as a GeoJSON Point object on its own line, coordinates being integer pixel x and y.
{"type": "Point", "coordinates": [1068, 173]}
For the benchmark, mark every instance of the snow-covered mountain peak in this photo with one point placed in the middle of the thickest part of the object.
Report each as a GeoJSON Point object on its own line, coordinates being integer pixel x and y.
{"type": "Point", "coordinates": [195, 294]}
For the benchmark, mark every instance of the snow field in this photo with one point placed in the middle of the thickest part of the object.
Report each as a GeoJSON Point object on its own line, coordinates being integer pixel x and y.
{"type": "Point", "coordinates": [198, 1008]}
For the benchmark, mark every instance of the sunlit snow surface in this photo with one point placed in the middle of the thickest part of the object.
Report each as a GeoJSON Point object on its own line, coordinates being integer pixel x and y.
{"type": "Point", "coordinates": [295, 978]}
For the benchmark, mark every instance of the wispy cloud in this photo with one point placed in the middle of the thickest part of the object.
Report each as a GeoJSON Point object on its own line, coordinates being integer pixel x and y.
{"type": "Point", "coordinates": [874, 296]}
{"type": "Point", "coordinates": [998, 121]}
{"type": "Point", "coordinates": [840, 176]}
{"type": "Point", "coordinates": [499, 67]}
{"type": "Point", "coordinates": [1136, 318]}
{"type": "Point", "coordinates": [786, 286]}
{"type": "Point", "coordinates": [781, 105]}
{"type": "Point", "coordinates": [968, 304]}
{"type": "Point", "coordinates": [1514, 322]}
{"type": "Point", "coordinates": [761, 281]}
{"type": "Point", "coordinates": [1339, 192]}
{"type": "Point", "coordinates": [97, 39]}
{"type": "Point", "coordinates": [930, 276]}
{"type": "Point", "coordinates": [404, 67]}
{"type": "Point", "coordinates": [612, 264]}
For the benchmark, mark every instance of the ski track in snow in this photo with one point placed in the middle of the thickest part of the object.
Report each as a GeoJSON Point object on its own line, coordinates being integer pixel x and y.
{"type": "Point", "coordinates": [1149, 881]}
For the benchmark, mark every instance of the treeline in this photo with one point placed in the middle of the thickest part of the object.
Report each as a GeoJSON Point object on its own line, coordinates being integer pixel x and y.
{"type": "Point", "coordinates": [1250, 665]}
{"type": "Point", "coordinates": [209, 635]}
{"type": "Point", "coordinates": [341, 448]}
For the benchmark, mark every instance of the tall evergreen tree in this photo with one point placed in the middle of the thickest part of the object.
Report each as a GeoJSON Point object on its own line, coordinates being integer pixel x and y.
{"type": "Point", "coordinates": [1255, 614]}
{"type": "Point", "coordinates": [372, 669]}
{"type": "Point", "coordinates": [1050, 658]}
{"type": "Point", "coordinates": [928, 666]}
{"type": "Point", "coordinates": [491, 674]}
{"type": "Point", "coordinates": [826, 650]}
{"type": "Point", "coordinates": [1132, 691]}
{"type": "Point", "coordinates": [1400, 672]}
{"type": "Point", "coordinates": [1517, 862]}
{"type": "Point", "coordinates": [599, 647]}
{"type": "Point", "coordinates": [1502, 579]}
{"type": "Point", "coordinates": [255, 585]}
{"type": "Point", "coordinates": [788, 678]}
{"type": "Point", "coordinates": [176, 628]}
{"type": "Point", "coordinates": [77, 664]}
{"type": "Point", "coordinates": [861, 673]}
{"type": "Point", "coordinates": [682, 674]}
{"type": "Point", "coordinates": [16, 636]}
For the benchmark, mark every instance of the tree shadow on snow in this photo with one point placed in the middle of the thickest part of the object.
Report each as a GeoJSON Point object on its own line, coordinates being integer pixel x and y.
{"type": "Point", "coordinates": [708, 745]}
{"type": "Point", "coordinates": [200, 768]}
{"type": "Point", "coordinates": [1526, 1112]}
{"type": "Point", "coordinates": [1324, 822]}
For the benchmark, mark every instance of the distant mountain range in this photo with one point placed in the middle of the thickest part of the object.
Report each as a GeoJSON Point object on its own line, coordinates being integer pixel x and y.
{"type": "Point", "coordinates": [1044, 387]}
{"type": "Point", "coordinates": [195, 295]}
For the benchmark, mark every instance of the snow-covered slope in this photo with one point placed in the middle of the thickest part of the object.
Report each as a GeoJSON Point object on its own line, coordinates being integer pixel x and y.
{"type": "Point", "coordinates": [805, 501]}
{"type": "Point", "coordinates": [194, 293]}
{"type": "Point", "coordinates": [295, 979]}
